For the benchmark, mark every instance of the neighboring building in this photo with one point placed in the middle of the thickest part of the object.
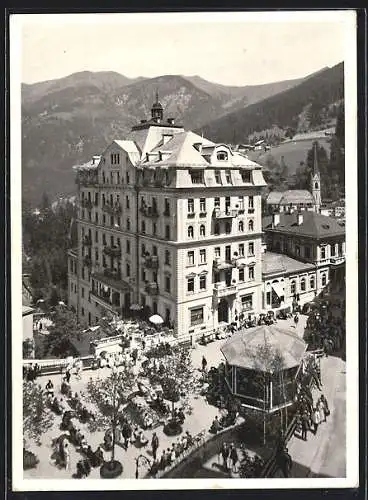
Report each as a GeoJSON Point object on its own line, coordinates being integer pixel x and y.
{"type": "Point", "coordinates": [298, 199]}
{"type": "Point", "coordinates": [171, 221]}
{"type": "Point", "coordinates": [282, 277]}
{"type": "Point", "coordinates": [311, 238]}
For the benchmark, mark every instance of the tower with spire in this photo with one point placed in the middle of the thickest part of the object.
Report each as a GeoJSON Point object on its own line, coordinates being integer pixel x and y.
{"type": "Point", "coordinates": [316, 181]}
{"type": "Point", "coordinates": [157, 111]}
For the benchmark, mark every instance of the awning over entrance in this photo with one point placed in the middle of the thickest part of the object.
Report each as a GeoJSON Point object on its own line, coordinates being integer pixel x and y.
{"type": "Point", "coordinates": [277, 287]}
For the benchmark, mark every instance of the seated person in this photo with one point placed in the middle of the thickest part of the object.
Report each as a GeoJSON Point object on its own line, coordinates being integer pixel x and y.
{"type": "Point", "coordinates": [62, 405]}
{"type": "Point", "coordinates": [56, 407]}
{"type": "Point", "coordinates": [78, 437]}
{"type": "Point", "coordinates": [216, 426]}
{"type": "Point", "coordinates": [99, 456]}
{"type": "Point", "coordinates": [89, 452]}
{"type": "Point", "coordinates": [147, 421]}
{"type": "Point", "coordinates": [135, 435]}
{"type": "Point", "coordinates": [50, 388]}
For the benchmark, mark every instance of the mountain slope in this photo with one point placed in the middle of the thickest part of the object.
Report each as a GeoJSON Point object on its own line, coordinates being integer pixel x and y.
{"type": "Point", "coordinates": [282, 110]}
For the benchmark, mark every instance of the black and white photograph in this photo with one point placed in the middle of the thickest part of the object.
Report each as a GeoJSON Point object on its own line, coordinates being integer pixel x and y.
{"type": "Point", "coordinates": [184, 250]}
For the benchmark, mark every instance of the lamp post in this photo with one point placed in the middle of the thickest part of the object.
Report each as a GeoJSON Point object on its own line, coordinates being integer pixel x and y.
{"type": "Point", "coordinates": [144, 461]}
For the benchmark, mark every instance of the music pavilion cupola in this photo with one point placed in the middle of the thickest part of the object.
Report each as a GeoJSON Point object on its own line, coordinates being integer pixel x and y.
{"type": "Point", "coordinates": [157, 111]}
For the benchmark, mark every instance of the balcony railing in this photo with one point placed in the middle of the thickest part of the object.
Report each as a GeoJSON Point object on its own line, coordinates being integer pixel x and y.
{"type": "Point", "coordinates": [151, 262]}
{"type": "Point", "coordinates": [149, 211]}
{"type": "Point", "coordinates": [251, 210]}
{"type": "Point", "coordinates": [112, 273]}
{"type": "Point", "coordinates": [106, 301]}
{"type": "Point", "coordinates": [87, 181]}
{"type": "Point", "coordinates": [224, 290]}
{"type": "Point", "coordinates": [86, 203]}
{"type": "Point", "coordinates": [338, 259]}
{"type": "Point", "coordinates": [151, 288]}
{"type": "Point", "coordinates": [112, 251]}
{"type": "Point", "coordinates": [114, 209]}
{"type": "Point", "coordinates": [87, 241]}
{"type": "Point", "coordinates": [225, 214]}
{"type": "Point", "coordinates": [219, 263]}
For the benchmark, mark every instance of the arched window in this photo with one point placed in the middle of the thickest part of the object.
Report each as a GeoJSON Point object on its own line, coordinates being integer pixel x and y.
{"type": "Point", "coordinates": [241, 226]}
{"type": "Point", "coordinates": [222, 156]}
{"type": "Point", "coordinates": [316, 185]}
{"type": "Point", "coordinates": [250, 225]}
{"type": "Point", "coordinates": [202, 230]}
{"type": "Point", "coordinates": [302, 285]}
{"type": "Point", "coordinates": [143, 227]}
{"type": "Point", "coordinates": [293, 287]}
{"type": "Point", "coordinates": [311, 283]}
{"type": "Point", "coordinates": [190, 232]}
{"type": "Point", "coordinates": [128, 225]}
{"type": "Point", "coordinates": [324, 279]}
{"type": "Point", "coordinates": [227, 228]}
{"type": "Point", "coordinates": [217, 228]}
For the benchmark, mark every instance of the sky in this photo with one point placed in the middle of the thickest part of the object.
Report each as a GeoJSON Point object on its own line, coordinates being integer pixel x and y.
{"type": "Point", "coordinates": [241, 49]}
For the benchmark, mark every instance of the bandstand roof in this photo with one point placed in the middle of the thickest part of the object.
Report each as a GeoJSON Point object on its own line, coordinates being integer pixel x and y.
{"type": "Point", "coordinates": [241, 348]}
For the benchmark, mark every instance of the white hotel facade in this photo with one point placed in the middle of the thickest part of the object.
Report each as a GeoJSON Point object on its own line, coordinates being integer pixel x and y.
{"type": "Point", "coordinates": [172, 222]}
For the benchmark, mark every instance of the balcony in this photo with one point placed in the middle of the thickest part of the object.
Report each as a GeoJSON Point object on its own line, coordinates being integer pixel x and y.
{"type": "Point", "coordinates": [202, 213]}
{"type": "Point", "coordinates": [149, 211]}
{"type": "Point", "coordinates": [225, 214]}
{"type": "Point", "coordinates": [86, 203]}
{"type": "Point", "coordinates": [112, 251]}
{"type": "Point", "coordinates": [339, 259]}
{"type": "Point", "coordinates": [114, 209]}
{"type": "Point", "coordinates": [87, 261]}
{"type": "Point", "coordinates": [220, 264]}
{"type": "Point", "coordinates": [151, 261]}
{"type": "Point", "coordinates": [105, 301]}
{"type": "Point", "coordinates": [151, 288]}
{"type": "Point", "coordinates": [224, 290]}
{"type": "Point", "coordinates": [87, 241]}
{"type": "Point", "coordinates": [112, 273]}
{"type": "Point", "coordinates": [87, 180]}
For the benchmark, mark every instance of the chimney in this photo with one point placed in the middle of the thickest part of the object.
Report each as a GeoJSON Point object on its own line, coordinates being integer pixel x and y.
{"type": "Point", "coordinates": [275, 219]}
{"type": "Point", "coordinates": [300, 218]}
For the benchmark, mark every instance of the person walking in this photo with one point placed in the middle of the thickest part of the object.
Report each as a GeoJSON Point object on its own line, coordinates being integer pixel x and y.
{"type": "Point", "coordinates": [66, 456]}
{"type": "Point", "coordinates": [234, 458]}
{"type": "Point", "coordinates": [316, 419]}
{"type": "Point", "coordinates": [155, 444]}
{"type": "Point", "coordinates": [204, 364]}
{"type": "Point", "coordinates": [225, 454]}
{"type": "Point", "coordinates": [127, 433]}
{"type": "Point", "coordinates": [321, 409]}
{"type": "Point", "coordinates": [67, 376]}
{"type": "Point", "coordinates": [296, 319]}
{"type": "Point", "coordinates": [305, 425]}
{"type": "Point", "coordinates": [327, 410]}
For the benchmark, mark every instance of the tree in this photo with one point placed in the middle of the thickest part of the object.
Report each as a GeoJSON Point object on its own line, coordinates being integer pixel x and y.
{"type": "Point", "coordinates": [64, 329]}
{"type": "Point", "coordinates": [37, 418]}
{"type": "Point", "coordinates": [110, 396]}
{"type": "Point", "coordinates": [176, 380]}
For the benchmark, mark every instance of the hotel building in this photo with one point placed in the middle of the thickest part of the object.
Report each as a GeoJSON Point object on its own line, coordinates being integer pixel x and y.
{"type": "Point", "coordinates": [172, 222]}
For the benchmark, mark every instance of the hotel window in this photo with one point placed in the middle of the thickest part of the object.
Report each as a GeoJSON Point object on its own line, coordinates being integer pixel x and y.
{"type": "Point", "coordinates": [333, 250]}
{"type": "Point", "coordinates": [190, 258]}
{"type": "Point", "coordinates": [96, 199]}
{"type": "Point", "coordinates": [190, 232]}
{"type": "Point", "coordinates": [241, 249]}
{"type": "Point", "coordinates": [128, 224]}
{"type": "Point", "coordinates": [340, 249]}
{"type": "Point", "coordinates": [241, 226]}
{"type": "Point", "coordinates": [118, 242]}
{"type": "Point", "coordinates": [190, 285]}
{"type": "Point", "coordinates": [118, 178]}
{"type": "Point", "coordinates": [218, 176]}
{"type": "Point", "coordinates": [302, 284]}
{"type": "Point", "coordinates": [202, 230]}
{"type": "Point", "coordinates": [307, 252]}
{"type": "Point", "coordinates": [143, 274]}
{"type": "Point", "coordinates": [103, 178]}
{"type": "Point", "coordinates": [96, 255]}
{"type": "Point", "coordinates": [127, 202]}
{"type": "Point", "coordinates": [167, 232]}
{"type": "Point", "coordinates": [197, 176]}
{"type": "Point", "coordinates": [167, 257]}
{"type": "Point", "coordinates": [118, 221]}
{"type": "Point", "coordinates": [103, 261]}
{"type": "Point", "coordinates": [190, 206]}
{"type": "Point", "coordinates": [297, 250]}
{"type": "Point", "coordinates": [196, 316]}
{"type": "Point", "coordinates": [250, 225]}
{"type": "Point", "coordinates": [227, 228]}
{"type": "Point", "coordinates": [241, 202]}
{"type": "Point", "coordinates": [217, 202]}
{"type": "Point", "coordinates": [143, 227]}
{"type": "Point", "coordinates": [154, 250]}
{"type": "Point", "coordinates": [96, 236]}
{"type": "Point", "coordinates": [143, 250]}
{"type": "Point", "coordinates": [82, 291]}
{"type": "Point", "coordinates": [202, 205]}
{"type": "Point", "coordinates": [217, 252]}
{"type": "Point", "coordinates": [154, 228]}
{"type": "Point", "coordinates": [323, 252]}
{"type": "Point", "coordinates": [167, 207]}
{"type": "Point", "coordinates": [251, 202]}
{"type": "Point", "coordinates": [127, 246]}
{"type": "Point", "coordinates": [241, 274]}
{"type": "Point", "coordinates": [228, 177]}
{"type": "Point", "coordinates": [202, 282]}
{"type": "Point", "coordinates": [293, 287]}
{"type": "Point", "coordinates": [104, 239]}
{"type": "Point", "coordinates": [167, 284]}
{"type": "Point", "coordinates": [111, 178]}
{"type": "Point", "coordinates": [324, 279]}
{"type": "Point", "coordinates": [127, 178]}
{"type": "Point", "coordinates": [111, 220]}
{"type": "Point", "coordinates": [82, 311]}
{"type": "Point", "coordinates": [96, 218]}
{"type": "Point", "coordinates": [111, 241]}
{"type": "Point", "coordinates": [246, 176]}
{"type": "Point", "coordinates": [89, 215]}
{"type": "Point", "coordinates": [217, 229]}
{"type": "Point", "coordinates": [247, 302]}
{"type": "Point", "coordinates": [251, 272]}
{"type": "Point", "coordinates": [311, 283]}
{"type": "Point", "coordinates": [128, 270]}
{"type": "Point", "coordinates": [202, 256]}
{"type": "Point", "coordinates": [251, 249]}
{"type": "Point", "coordinates": [216, 277]}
